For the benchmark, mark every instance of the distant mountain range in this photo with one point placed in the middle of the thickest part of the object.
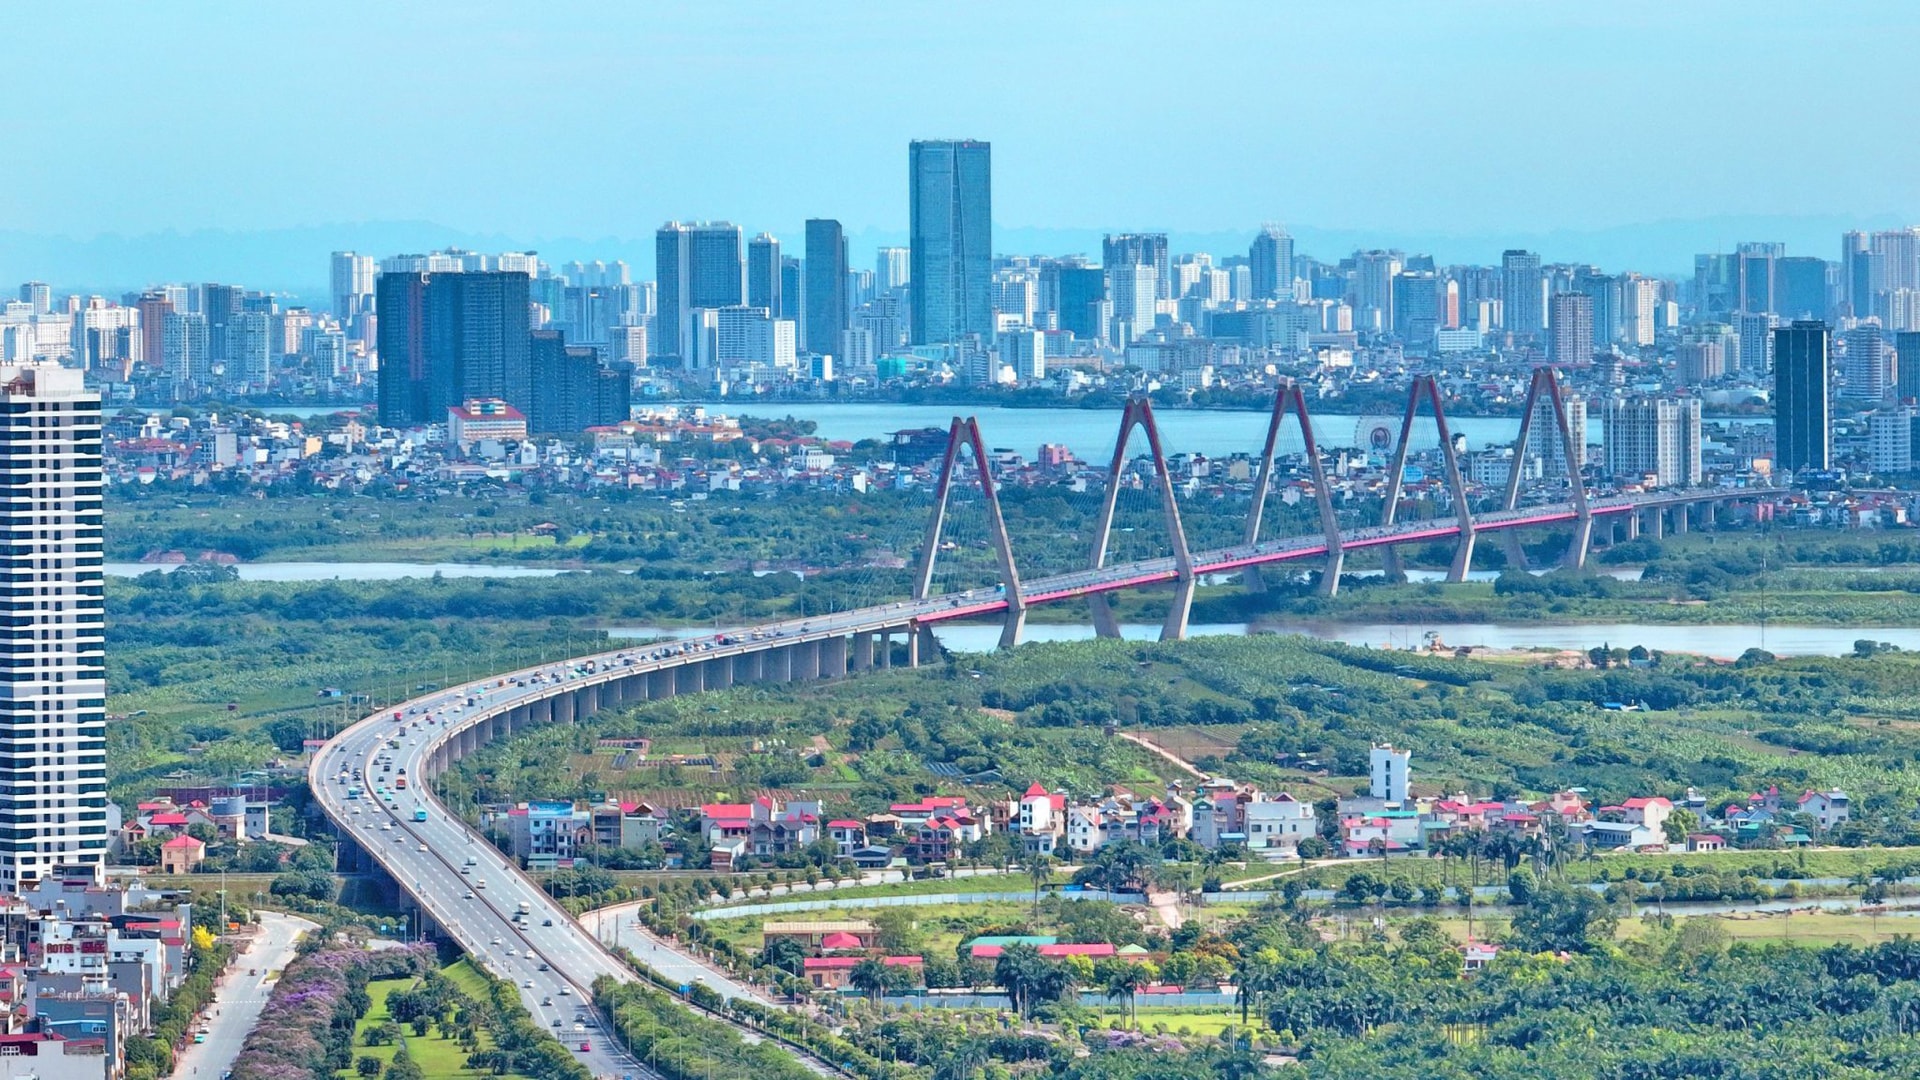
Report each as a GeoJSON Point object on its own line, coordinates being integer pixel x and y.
{"type": "Point", "coordinates": [294, 260]}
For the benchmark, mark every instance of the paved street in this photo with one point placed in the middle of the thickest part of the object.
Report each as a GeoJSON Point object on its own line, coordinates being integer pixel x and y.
{"type": "Point", "coordinates": [239, 997]}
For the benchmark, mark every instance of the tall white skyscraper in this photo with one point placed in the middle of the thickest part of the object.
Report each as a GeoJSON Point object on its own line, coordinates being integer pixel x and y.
{"type": "Point", "coordinates": [890, 268]}
{"type": "Point", "coordinates": [1132, 287]}
{"type": "Point", "coordinates": [53, 775]}
{"type": "Point", "coordinates": [352, 286]}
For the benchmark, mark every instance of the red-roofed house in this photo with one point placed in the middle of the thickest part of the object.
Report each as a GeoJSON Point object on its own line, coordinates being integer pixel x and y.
{"type": "Point", "coordinates": [181, 855]}
{"type": "Point", "coordinates": [848, 836]}
{"type": "Point", "coordinates": [1827, 808]}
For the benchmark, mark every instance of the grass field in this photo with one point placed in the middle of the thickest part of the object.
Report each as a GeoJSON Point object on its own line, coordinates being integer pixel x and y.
{"type": "Point", "coordinates": [1207, 1022]}
{"type": "Point", "coordinates": [941, 927]}
{"type": "Point", "coordinates": [438, 1058]}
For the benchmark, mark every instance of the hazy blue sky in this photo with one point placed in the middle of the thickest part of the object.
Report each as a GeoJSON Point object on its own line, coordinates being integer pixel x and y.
{"type": "Point", "coordinates": [603, 119]}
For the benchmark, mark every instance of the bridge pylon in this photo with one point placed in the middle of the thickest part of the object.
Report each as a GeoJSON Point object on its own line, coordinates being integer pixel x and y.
{"type": "Point", "coordinates": [1289, 393]}
{"type": "Point", "coordinates": [1139, 413]}
{"type": "Point", "coordinates": [1427, 386]}
{"type": "Point", "coordinates": [965, 431]}
{"type": "Point", "coordinates": [1547, 380]}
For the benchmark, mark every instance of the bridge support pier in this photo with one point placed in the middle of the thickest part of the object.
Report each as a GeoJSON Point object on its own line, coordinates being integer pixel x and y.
{"type": "Point", "coordinates": [885, 642]}
{"type": "Point", "coordinates": [687, 680]}
{"type": "Point", "coordinates": [659, 684]}
{"type": "Point", "coordinates": [1658, 519]}
{"type": "Point", "coordinates": [1101, 610]}
{"type": "Point", "coordinates": [833, 657]}
{"type": "Point", "coordinates": [1680, 520]}
{"type": "Point", "coordinates": [563, 709]}
{"type": "Point", "coordinates": [1633, 526]}
{"type": "Point", "coordinates": [922, 646]}
{"type": "Point", "coordinates": [717, 673]}
{"type": "Point", "coordinates": [1707, 520]}
{"type": "Point", "coordinates": [806, 659]}
{"type": "Point", "coordinates": [1181, 609]}
{"type": "Point", "coordinates": [863, 652]}
{"type": "Point", "coordinates": [1582, 543]}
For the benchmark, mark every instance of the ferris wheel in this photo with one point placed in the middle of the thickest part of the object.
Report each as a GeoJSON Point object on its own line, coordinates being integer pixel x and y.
{"type": "Point", "coordinates": [1377, 436]}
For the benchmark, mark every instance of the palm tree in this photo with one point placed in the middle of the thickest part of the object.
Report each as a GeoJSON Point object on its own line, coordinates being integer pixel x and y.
{"type": "Point", "coordinates": [870, 976]}
{"type": "Point", "coordinates": [1120, 979]}
{"type": "Point", "coordinates": [1259, 973]}
{"type": "Point", "coordinates": [961, 1059]}
{"type": "Point", "coordinates": [1039, 871]}
{"type": "Point", "coordinates": [1022, 973]}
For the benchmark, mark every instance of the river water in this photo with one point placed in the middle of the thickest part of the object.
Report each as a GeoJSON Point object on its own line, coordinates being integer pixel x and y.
{"type": "Point", "coordinates": [1089, 433]}
{"type": "Point", "coordinates": [1719, 641]}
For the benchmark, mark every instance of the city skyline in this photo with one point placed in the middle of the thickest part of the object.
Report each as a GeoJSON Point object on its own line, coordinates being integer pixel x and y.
{"type": "Point", "coordinates": [1330, 141]}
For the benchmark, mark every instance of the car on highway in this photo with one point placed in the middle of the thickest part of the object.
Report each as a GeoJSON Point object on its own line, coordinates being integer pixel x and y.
{"type": "Point", "coordinates": [528, 985]}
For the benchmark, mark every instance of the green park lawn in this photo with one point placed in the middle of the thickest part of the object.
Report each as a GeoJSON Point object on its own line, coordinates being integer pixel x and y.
{"type": "Point", "coordinates": [439, 1058]}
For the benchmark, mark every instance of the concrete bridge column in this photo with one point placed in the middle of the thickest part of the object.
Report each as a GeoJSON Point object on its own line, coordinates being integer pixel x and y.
{"type": "Point", "coordinates": [1633, 526]}
{"type": "Point", "coordinates": [756, 665]}
{"type": "Point", "coordinates": [1658, 520]}
{"type": "Point", "coordinates": [779, 664]}
{"type": "Point", "coordinates": [806, 660]}
{"type": "Point", "coordinates": [1707, 516]}
{"type": "Point", "coordinates": [924, 647]}
{"type": "Point", "coordinates": [659, 684]}
{"type": "Point", "coordinates": [687, 679]}
{"type": "Point", "coordinates": [718, 674]}
{"type": "Point", "coordinates": [886, 649]}
{"type": "Point", "coordinates": [589, 702]}
{"type": "Point", "coordinates": [1680, 520]}
{"type": "Point", "coordinates": [833, 657]}
{"type": "Point", "coordinates": [862, 652]}
{"type": "Point", "coordinates": [563, 708]}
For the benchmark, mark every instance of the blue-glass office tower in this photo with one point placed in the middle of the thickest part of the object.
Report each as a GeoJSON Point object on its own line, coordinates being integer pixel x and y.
{"type": "Point", "coordinates": [826, 277]}
{"type": "Point", "coordinates": [1802, 426]}
{"type": "Point", "coordinates": [950, 196]}
{"type": "Point", "coordinates": [698, 265]}
{"type": "Point", "coordinates": [763, 275]}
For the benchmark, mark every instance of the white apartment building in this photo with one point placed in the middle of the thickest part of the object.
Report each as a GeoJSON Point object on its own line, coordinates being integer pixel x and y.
{"type": "Point", "coordinates": [1390, 772]}
{"type": "Point", "coordinates": [53, 688]}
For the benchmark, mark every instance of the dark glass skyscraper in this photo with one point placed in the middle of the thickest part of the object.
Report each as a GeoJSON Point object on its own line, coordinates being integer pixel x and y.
{"type": "Point", "coordinates": [1082, 290]}
{"type": "Point", "coordinates": [763, 275]}
{"type": "Point", "coordinates": [449, 338]}
{"type": "Point", "coordinates": [826, 275]}
{"type": "Point", "coordinates": [1520, 293]}
{"type": "Point", "coordinates": [1271, 262]}
{"type": "Point", "coordinates": [1800, 287]}
{"type": "Point", "coordinates": [698, 265]}
{"type": "Point", "coordinates": [573, 388]}
{"type": "Point", "coordinates": [950, 196]}
{"type": "Point", "coordinates": [1906, 365]}
{"type": "Point", "coordinates": [1802, 429]}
